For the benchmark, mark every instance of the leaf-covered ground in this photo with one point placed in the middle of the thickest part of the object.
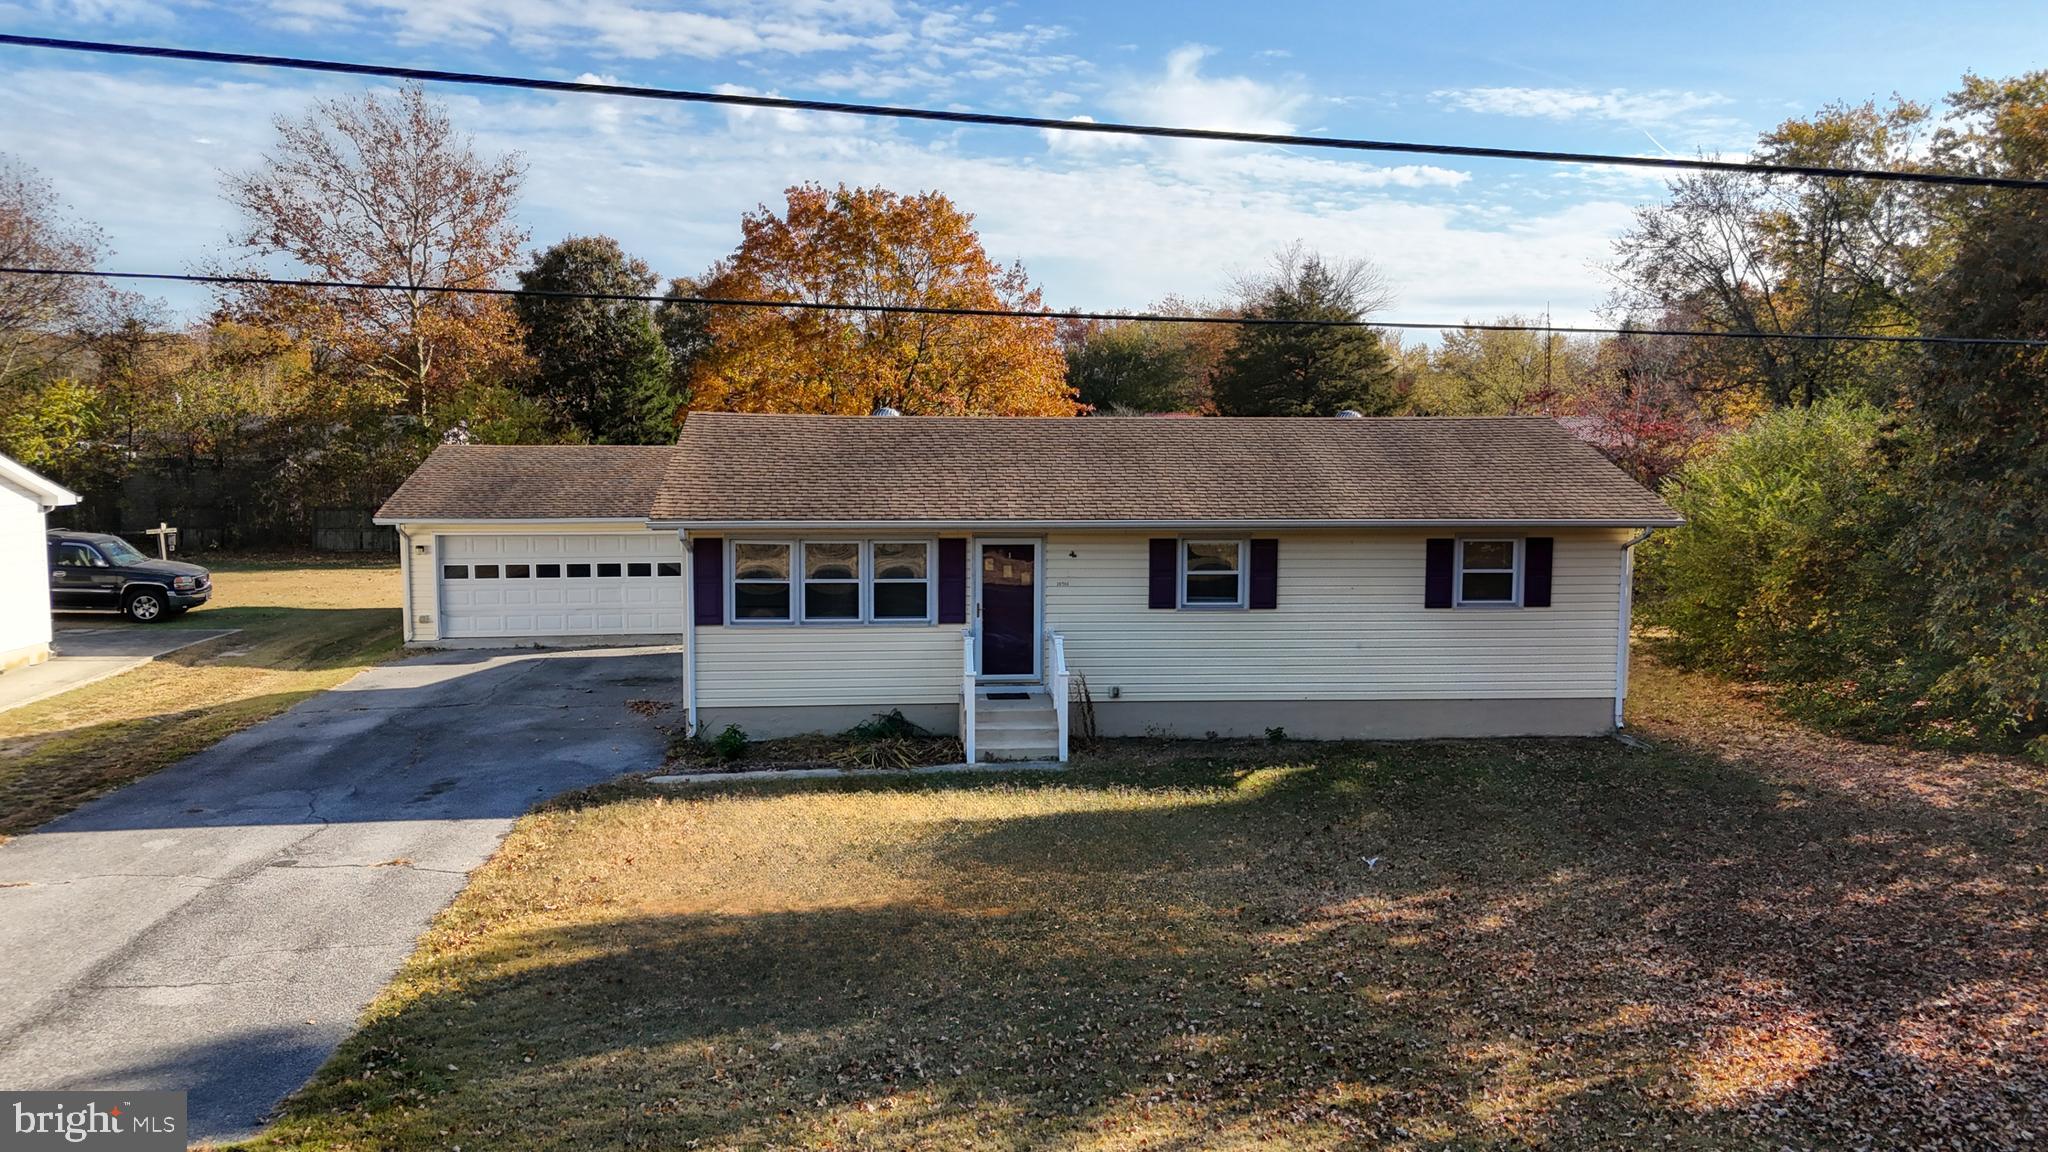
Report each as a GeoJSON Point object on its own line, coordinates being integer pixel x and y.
{"type": "Point", "coordinates": [1744, 936]}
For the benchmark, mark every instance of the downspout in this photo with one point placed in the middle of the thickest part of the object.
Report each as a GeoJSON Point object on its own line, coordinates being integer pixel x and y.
{"type": "Point", "coordinates": [1624, 614]}
{"type": "Point", "coordinates": [405, 577]}
{"type": "Point", "coordinates": [689, 635]}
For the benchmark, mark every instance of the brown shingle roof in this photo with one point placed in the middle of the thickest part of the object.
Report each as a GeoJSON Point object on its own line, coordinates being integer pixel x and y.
{"type": "Point", "coordinates": [529, 482]}
{"type": "Point", "coordinates": [734, 468]}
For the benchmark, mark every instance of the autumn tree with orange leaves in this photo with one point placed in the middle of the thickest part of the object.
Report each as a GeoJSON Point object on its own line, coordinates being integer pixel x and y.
{"type": "Point", "coordinates": [382, 191]}
{"type": "Point", "coordinates": [873, 246]}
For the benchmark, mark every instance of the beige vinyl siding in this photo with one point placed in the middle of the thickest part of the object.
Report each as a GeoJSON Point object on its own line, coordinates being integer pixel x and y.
{"type": "Point", "coordinates": [420, 571]}
{"type": "Point", "coordinates": [786, 665]}
{"type": "Point", "coordinates": [1350, 626]}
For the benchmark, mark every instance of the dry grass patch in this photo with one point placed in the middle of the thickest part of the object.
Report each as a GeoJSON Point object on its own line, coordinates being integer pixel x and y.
{"type": "Point", "coordinates": [1564, 944]}
{"type": "Point", "coordinates": [305, 627]}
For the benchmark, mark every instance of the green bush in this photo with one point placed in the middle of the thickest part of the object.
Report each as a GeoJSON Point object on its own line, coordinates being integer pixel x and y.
{"type": "Point", "coordinates": [1782, 568]}
{"type": "Point", "coordinates": [1790, 568]}
{"type": "Point", "coordinates": [890, 725]}
{"type": "Point", "coordinates": [731, 744]}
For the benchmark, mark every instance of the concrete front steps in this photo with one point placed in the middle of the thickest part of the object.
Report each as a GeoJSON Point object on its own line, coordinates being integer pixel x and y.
{"type": "Point", "coordinates": [1026, 729]}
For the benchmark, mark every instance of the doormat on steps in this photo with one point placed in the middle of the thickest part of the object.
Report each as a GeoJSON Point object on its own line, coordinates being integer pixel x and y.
{"type": "Point", "coordinates": [1009, 695]}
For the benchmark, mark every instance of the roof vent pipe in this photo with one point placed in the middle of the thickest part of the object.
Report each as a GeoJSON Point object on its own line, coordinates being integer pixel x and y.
{"type": "Point", "coordinates": [1351, 414]}
{"type": "Point", "coordinates": [885, 410]}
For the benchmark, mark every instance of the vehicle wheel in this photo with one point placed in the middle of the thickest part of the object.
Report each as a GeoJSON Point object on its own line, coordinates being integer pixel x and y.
{"type": "Point", "coordinates": [144, 606]}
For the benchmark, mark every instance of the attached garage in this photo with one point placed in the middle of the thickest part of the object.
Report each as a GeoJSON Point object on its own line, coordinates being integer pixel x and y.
{"type": "Point", "coordinates": [560, 584]}
{"type": "Point", "coordinates": [512, 544]}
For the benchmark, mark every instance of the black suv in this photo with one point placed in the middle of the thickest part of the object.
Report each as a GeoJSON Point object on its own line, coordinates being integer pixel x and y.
{"type": "Point", "coordinates": [94, 570]}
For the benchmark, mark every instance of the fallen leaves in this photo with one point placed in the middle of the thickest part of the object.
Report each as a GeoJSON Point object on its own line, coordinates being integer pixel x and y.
{"type": "Point", "coordinates": [1561, 944]}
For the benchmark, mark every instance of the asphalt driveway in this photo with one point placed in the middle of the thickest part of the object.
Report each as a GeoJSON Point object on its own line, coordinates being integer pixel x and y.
{"type": "Point", "coordinates": [219, 926]}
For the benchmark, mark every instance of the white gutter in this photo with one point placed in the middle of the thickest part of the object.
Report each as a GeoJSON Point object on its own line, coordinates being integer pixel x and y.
{"type": "Point", "coordinates": [1624, 615]}
{"type": "Point", "coordinates": [689, 637]}
{"type": "Point", "coordinates": [1126, 525]}
{"type": "Point", "coordinates": [405, 578]}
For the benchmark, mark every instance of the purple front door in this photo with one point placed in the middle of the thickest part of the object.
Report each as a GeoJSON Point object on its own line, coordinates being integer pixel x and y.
{"type": "Point", "coordinates": [1009, 610]}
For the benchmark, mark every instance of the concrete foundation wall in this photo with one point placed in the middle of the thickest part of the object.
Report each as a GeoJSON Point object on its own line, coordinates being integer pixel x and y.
{"type": "Point", "coordinates": [23, 657]}
{"type": "Point", "coordinates": [1197, 719]}
{"type": "Point", "coordinates": [1356, 719]}
{"type": "Point", "coordinates": [772, 721]}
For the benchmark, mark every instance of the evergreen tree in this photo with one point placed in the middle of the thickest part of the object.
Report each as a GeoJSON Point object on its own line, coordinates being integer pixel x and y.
{"type": "Point", "coordinates": [598, 364]}
{"type": "Point", "coordinates": [1287, 370]}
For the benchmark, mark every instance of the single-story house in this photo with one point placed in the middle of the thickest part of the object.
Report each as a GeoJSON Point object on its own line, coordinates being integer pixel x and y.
{"type": "Point", "coordinates": [26, 498]}
{"type": "Point", "coordinates": [1329, 577]}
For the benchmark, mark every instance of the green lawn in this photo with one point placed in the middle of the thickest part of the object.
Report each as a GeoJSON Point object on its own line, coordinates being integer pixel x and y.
{"type": "Point", "coordinates": [306, 625]}
{"type": "Point", "coordinates": [1747, 936]}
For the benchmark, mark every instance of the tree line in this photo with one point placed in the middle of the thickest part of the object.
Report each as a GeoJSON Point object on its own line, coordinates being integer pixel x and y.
{"type": "Point", "coordinates": [360, 382]}
{"type": "Point", "coordinates": [1866, 519]}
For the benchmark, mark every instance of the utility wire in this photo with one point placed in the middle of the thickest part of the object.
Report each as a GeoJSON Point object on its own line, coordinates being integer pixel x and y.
{"type": "Point", "coordinates": [687, 96]}
{"type": "Point", "coordinates": [1011, 313]}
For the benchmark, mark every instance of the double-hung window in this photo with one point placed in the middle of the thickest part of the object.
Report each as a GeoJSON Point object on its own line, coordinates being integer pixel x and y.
{"type": "Point", "coordinates": [1489, 571]}
{"type": "Point", "coordinates": [832, 580]}
{"type": "Point", "coordinates": [902, 580]}
{"type": "Point", "coordinates": [1212, 573]}
{"type": "Point", "coordinates": [760, 581]}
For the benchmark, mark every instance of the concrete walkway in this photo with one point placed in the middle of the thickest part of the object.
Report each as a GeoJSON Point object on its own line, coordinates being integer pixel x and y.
{"type": "Point", "coordinates": [219, 926]}
{"type": "Point", "coordinates": [79, 656]}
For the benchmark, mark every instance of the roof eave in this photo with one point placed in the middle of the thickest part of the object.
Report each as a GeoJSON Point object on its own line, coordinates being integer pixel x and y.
{"type": "Point", "coordinates": [48, 492]}
{"type": "Point", "coordinates": [1670, 521]}
{"type": "Point", "coordinates": [523, 518]}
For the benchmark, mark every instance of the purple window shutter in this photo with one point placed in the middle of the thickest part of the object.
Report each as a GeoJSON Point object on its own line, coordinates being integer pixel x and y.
{"type": "Point", "coordinates": [707, 579]}
{"type": "Point", "coordinates": [1159, 589]}
{"type": "Point", "coordinates": [1440, 560]}
{"type": "Point", "coordinates": [1538, 554]}
{"type": "Point", "coordinates": [1265, 591]}
{"type": "Point", "coordinates": [953, 581]}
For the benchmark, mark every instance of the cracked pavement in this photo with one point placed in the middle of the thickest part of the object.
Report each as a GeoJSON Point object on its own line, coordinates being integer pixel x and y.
{"type": "Point", "coordinates": [219, 926]}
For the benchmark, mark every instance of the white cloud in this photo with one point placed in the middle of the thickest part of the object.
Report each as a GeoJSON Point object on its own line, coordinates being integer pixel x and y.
{"type": "Point", "coordinates": [1662, 107]}
{"type": "Point", "coordinates": [1183, 97]}
{"type": "Point", "coordinates": [88, 11]}
{"type": "Point", "coordinates": [1111, 230]}
{"type": "Point", "coordinates": [1063, 142]}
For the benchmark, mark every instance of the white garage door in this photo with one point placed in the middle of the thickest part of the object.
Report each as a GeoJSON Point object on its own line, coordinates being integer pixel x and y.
{"type": "Point", "coordinates": [561, 585]}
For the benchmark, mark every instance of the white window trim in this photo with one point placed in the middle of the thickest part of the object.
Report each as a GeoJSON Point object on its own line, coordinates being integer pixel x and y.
{"type": "Point", "coordinates": [1458, 573]}
{"type": "Point", "coordinates": [733, 582]}
{"type": "Point", "coordinates": [801, 581]}
{"type": "Point", "coordinates": [874, 577]}
{"type": "Point", "coordinates": [1244, 575]}
{"type": "Point", "coordinates": [866, 583]}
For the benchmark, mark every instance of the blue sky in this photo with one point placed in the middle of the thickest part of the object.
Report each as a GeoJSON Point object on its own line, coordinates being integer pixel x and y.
{"type": "Point", "coordinates": [1100, 223]}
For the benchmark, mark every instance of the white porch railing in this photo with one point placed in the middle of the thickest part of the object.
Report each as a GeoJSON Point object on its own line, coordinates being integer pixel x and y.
{"type": "Point", "coordinates": [1057, 683]}
{"type": "Point", "coordinates": [970, 678]}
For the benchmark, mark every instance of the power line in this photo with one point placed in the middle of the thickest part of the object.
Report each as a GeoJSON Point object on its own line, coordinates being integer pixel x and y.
{"type": "Point", "coordinates": [1112, 128]}
{"type": "Point", "coordinates": [1011, 313]}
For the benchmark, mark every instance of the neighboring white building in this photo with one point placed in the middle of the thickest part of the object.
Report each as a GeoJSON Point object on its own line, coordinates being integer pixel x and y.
{"type": "Point", "coordinates": [1330, 577]}
{"type": "Point", "coordinates": [25, 498]}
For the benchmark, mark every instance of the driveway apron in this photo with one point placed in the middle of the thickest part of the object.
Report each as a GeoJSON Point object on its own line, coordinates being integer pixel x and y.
{"type": "Point", "coordinates": [219, 926]}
